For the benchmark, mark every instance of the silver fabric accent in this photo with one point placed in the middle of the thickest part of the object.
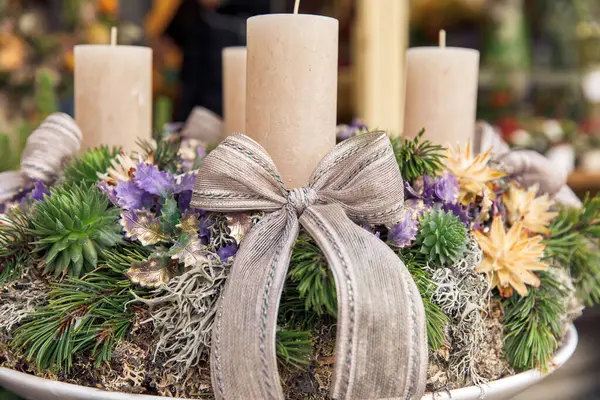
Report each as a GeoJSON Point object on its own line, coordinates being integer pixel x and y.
{"type": "Point", "coordinates": [381, 344]}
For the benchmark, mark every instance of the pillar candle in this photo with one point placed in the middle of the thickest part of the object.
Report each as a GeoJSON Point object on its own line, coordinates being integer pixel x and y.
{"type": "Point", "coordinates": [291, 92]}
{"type": "Point", "coordinates": [234, 90]}
{"type": "Point", "coordinates": [113, 94]}
{"type": "Point", "coordinates": [381, 39]}
{"type": "Point", "coordinates": [441, 93]}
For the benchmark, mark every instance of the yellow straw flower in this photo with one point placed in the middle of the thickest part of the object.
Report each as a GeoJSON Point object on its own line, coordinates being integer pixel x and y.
{"type": "Point", "coordinates": [510, 257]}
{"type": "Point", "coordinates": [473, 174]}
{"type": "Point", "coordinates": [534, 212]}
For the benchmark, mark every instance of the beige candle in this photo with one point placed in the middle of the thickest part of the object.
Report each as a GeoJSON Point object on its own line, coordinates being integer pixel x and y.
{"type": "Point", "coordinates": [234, 90]}
{"type": "Point", "coordinates": [381, 39]}
{"type": "Point", "coordinates": [113, 94]}
{"type": "Point", "coordinates": [441, 93]}
{"type": "Point", "coordinates": [292, 90]}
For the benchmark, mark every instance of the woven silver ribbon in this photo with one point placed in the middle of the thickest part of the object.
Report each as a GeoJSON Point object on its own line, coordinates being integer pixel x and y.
{"type": "Point", "coordinates": [48, 149]}
{"type": "Point", "coordinates": [381, 344]}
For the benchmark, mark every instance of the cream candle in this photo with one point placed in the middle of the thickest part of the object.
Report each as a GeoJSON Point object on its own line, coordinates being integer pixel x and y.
{"type": "Point", "coordinates": [234, 90]}
{"type": "Point", "coordinates": [291, 95]}
{"type": "Point", "coordinates": [113, 94]}
{"type": "Point", "coordinates": [441, 93]}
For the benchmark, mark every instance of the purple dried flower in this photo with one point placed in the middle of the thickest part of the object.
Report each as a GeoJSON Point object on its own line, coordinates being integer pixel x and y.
{"type": "Point", "coordinates": [347, 131]}
{"type": "Point", "coordinates": [185, 182]}
{"type": "Point", "coordinates": [446, 188]}
{"type": "Point", "coordinates": [110, 192]}
{"type": "Point", "coordinates": [204, 225]}
{"type": "Point", "coordinates": [403, 233]}
{"type": "Point", "coordinates": [460, 211]}
{"type": "Point", "coordinates": [149, 178]}
{"type": "Point", "coordinates": [228, 251]}
{"type": "Point", "coordinates": [184, 199]}
{"type": "Point", "coordinates": [130, 197]}
{"type": "Point", "coordinates": [39, 190]}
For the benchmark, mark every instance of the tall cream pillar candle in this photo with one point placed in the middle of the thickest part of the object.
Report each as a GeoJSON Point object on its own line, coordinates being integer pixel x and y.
{"type": "Point", "coordinates": [441, 93]}
{"type": "Point", "coordinates": [379, 53]}
{"type": "Point", "coordinates": [113, 94]}
{"type": "Point", "coordinates": [292, 90]}
{"type": "Point", "coordinates": [234, 90]}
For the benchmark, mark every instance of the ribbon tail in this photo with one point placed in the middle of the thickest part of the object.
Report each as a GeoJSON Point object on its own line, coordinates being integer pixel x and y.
{"type": "Point", "coordinates": [381, 344]}
{"type": "Point", "coordinates": [243, 353]}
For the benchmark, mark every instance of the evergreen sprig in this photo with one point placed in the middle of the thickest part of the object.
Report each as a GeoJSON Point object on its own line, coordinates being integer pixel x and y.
{"type": "Point", "coordinates": [533, 324]}
{"type": "Point", "coordinates": [73, 226]}
{"type": "Point", "coordinates": [16, 250]}
{"type": "Point", "coordinates": [435, 319]}
{"type": "Point", "coordinates": [86, 167]}
{"type": "Point", "coordinates": [294, 348]}
{"type": "Point", "coordinates": [314, 282]}
{"type": "Point", "coordinates": [85, 315]}
{"type": "Point", "coordinates": [574, 244]}
{"type": "Point", "coordinates": [417, 157]}
{"type": "Point", "coordinates": [166, 152]}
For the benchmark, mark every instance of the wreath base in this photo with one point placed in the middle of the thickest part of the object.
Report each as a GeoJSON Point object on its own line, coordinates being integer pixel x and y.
{"type": "Point", "coordinates": [36, 388]}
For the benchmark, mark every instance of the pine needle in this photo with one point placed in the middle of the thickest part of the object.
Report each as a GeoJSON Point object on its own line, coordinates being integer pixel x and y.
{"type": "Point", "coordinates": [417, 157]}
{"type": "Point", "coordinates": [533, 324]}
{"type": "Point", "coordinates": [83, 315]}
{"type": "Point", "coordinates": [435, 318]}
{"type": "Point", "coordinates": [294, 348]}
{"type": "Point", "coordinates": [574, 244]}
{"type": "Point", "coordinates": [16, 248]}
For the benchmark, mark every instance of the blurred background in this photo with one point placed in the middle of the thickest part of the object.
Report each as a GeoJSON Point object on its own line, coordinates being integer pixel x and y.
{"type": "Point", "coordinates": [539, 81]}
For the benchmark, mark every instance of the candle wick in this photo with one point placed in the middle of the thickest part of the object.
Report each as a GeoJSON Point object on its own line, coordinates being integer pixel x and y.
{"type": "Point", "coordinates": [113, 36]}
{"type": "Point", "coordinates": [442, 39]}
{"type": "Point", "coordinates": [296, 6]}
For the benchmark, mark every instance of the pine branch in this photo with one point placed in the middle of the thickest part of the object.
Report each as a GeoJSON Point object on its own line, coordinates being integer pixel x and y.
{"type": "Point", "coordinates": [574, 244]}
{"type": "Point", "coordinates": [533, 324]}
{"type": "Point", "coordinates": [294, 348]}
{"type": "Point", "coordinates": [417, 158]}
{"type": "Point", "coordinates": [166, 153]}
{"type": "Point", "coordinates": [16, 248]}
{"type": "Point", "coordinates": [83, 315]}
{"type": "Point", "coordinates": [435, 318]}
{"type": "Point", "coordinates": [86, 167]}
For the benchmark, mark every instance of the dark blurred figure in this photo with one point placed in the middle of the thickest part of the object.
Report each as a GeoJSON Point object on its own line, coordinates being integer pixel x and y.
{"type": "Point", "coordinates": [202, 28]}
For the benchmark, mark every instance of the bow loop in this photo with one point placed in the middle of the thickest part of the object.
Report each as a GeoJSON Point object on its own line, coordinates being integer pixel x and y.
{"type": "Point", "coordinates": [239, 175]}
{"type": "Point", "coordinates": [362, 175]}
{"type": "Point", "coordinates": [302, 198]}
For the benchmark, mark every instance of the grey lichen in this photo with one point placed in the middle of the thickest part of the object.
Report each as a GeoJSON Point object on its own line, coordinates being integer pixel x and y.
{"type": "Point", "coordinates": [463, 294]}
{"type": "Point", "coordinates": [20, 299]}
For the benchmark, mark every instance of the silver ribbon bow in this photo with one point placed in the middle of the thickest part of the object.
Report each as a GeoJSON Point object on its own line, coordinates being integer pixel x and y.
{"type": "Point", "coordinates": [528, 166]}
{"type": "Point", "coordinates": [48, 149]}
{"type": "Point", "coordinates": [381, 344]}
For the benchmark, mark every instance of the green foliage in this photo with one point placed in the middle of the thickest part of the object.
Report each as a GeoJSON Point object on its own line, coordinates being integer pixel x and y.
{"type": "Point", "coordinates": [170, 215]}
{"type": "Point", "coordinates": [86, 167]}
{"type": "Point", "coordinates": [294, 348]}
{"type": "Point", "coordinates": [574, 244]}
{"type": "Point", "coordinates": [11, 147]}
{"type": "Point", "coordinates": [163, 107]}
{"type": "Point", "coordinates": [45, 98]}
{"type": "Point", "coordinates": [165, 155]}
{"type": "Point", "coordinates": [312, 279]}
{"type": "Point", "coordinates": [435, 319]}
{"type": "Point", "coordinates": [87, 315]}
{"type": "Point", "coordinates": [442, 237]}
{"type": "Point", "coordinates": [16, 250]}
{"type": "Point", "coordinates": [532, 324]}
{"type": "Point", "coordinates": [73, 226]}
{"type": "Point", "coordinates": [417, 158]}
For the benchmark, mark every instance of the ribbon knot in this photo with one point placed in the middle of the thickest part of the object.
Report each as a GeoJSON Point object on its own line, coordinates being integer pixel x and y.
{"type": "Point", "coordinates": [381, 342]}
{"type": "Point", "coordinates": [302, 198]}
